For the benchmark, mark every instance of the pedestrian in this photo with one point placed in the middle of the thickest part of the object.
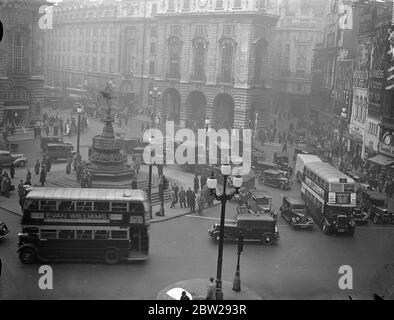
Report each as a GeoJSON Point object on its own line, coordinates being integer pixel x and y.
{"type": "Point", "coordinates": [203, 180]}
{"type": "Point", "coordinates": [176, 191]}
{"type": "Point", "coordinates": [6, 186]}
{"type": "Point", "coordinates": [284, 149]}
{"type": "Point", "coordinates": [200, 202]}
{"type": "Point", "coordinates": [43, 176]}
{"type": "Point", "coordinates": [182, 198]}
{"type": "Point", "coordinates": [196, 183]}
{"type": "Point", "coordinates": [193, 202]}
{"type": "Point", "coordinates": [68, 165]}
{"type": "Point", "coordinates": [211, 289]}
{"type": "Point", "coordinates": [189, 193]}
{"type": "Point", "coordinates": [89, 179]}
{"type": "Point", "coordinates": [12, 170]}
{"type": "Point", "coordinates": [184, 296]}
{"type": "Point", "coordinates": [172, 195]}
{"type": "Point", "coordinates": [48, 164]}
{"type": "Point", "coordinates": [134, 184]}
{"type": "Point", "coordinates": [37, 168]}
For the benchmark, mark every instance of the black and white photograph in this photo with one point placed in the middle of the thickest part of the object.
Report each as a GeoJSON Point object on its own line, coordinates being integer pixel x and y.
{"type": "Point", "coordinates": [164, 150]}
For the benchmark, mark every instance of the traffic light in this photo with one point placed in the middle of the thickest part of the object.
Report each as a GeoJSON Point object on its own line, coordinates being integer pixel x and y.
{"type": "Point", "coordinates": [240, 242]}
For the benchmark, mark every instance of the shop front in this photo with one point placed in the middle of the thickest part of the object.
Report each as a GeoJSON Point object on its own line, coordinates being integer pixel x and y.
{"type": "Point", "coordinates": [16, 115]}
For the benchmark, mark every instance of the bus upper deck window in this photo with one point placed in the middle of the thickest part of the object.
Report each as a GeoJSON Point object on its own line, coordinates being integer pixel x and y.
{"type": "Point", "coordinates": [31, 204]}
{"type": "Point", "coordinates": [84, 206]}
{"type": "Point", "coordinates": [48, 204]}
{"type": "Point", "coordinates": [101, 206]}
{"type": "Point", "coordinates": [119, 206]}
{"type": "Point", "coordinates": [66, 205]}
{"type": "Point", "coordinates": [136, 207]}
{"type": "Point", "coordinates": [101, 234]}
{"type": "Point", "coordinates": [66, 234]}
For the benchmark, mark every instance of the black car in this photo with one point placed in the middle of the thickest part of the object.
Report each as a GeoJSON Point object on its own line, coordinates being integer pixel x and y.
{"type": "Point", "coordinates": [50, 139]}
{"type": "Point", "coordinates": [276, 179]}
{"type": "Point", "coordinates": [293, 212]}
{"type": "Point", "coordinates": [282, 159]}
{"type": "Point", "coordinates": [3, 230]}
{"type": "Point", "coordinates": [375, 205]}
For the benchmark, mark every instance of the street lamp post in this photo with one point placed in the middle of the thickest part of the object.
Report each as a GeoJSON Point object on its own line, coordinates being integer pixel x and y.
{"type": "Point", "coordinates": [79, 111]}
{"type": "Point", "coordinates": [223, 198]}
{"type": "Point", "coordinates": [154, 94]}
{"type": "Point", "coordinates": [342, 131]}
{"type": "Point", "coordinates": [237, 277]}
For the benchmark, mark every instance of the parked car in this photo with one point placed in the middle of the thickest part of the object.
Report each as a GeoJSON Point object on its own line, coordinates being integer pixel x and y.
{"type": "Point", "coordinates": [6, 158]}
{"type": "Point", "coordinates": [293, 212]}
{"type": "Point", "coordinates": [19, 159]}
{"type": "Point", "coordinates": [256, 157]}
{"type": "Point", "coordinates": [262, 199]}
{"type": "Point", "coordinates": [375, 205]}
{"type": "Point", "coordinates": [282, 159]}
{"type": "Point", "coordinates": [50, 139]}
{"type": "Point", "coordinates": [3, 230]}
{"type": "Point", "coordinates": [57, 151]}
{"type": "Point", "coordinates": [253, 227]}
{"type": "Point", "coordinates": [276, 179]}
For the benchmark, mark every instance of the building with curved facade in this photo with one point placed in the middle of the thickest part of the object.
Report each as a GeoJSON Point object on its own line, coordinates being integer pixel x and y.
{"type": "Point", "coordinates": [211, 59]}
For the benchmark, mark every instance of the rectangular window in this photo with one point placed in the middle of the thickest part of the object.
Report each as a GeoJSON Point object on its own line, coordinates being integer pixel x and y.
{"type": "Point", "coordinates": [103, 46]}
{"type": "Point", "coordinates": [84, 206]}
{"type": "Point", "coordinates": [151, 68]}
{"type": "Point", "coordinates": [102, 65]}
{"type": "Point", "coordinates": [112, 47]}
{"type": "Point", "coordinates": [84, 234]}
{"type": "Point", "coordinates": [101, 234]}
{"type": "Point", "coordinates": [101, 206]}
{"type": "Point", "coordinates": [66, 205]}
{"type": "Point", "coordinates": [111, 65]}
{"type": "Point", "coordinates": [186, 4]}
{"type": "Point", "coordinates": [117, 234]}
{"type": "Point", "coordinates": [153, 48]}
{"type": "Point", "coordinates": [48, 234]}
{"type": "Point", "coordinates": [48, 205]}
{"type": "Point", "coordinates": [119, 206]}
{"type": "Point", "coordinates": [175, 30]}
{"type": "Point", "coordinates": [171, 5]}
{"type": "Point", "coordinates": [94, 64]}
{"type": "Point", "coordinates": [229, 30]}
{"type": "Point", "coordinates": [153, 32]}
{"type": "Point", "coordinates": [94, 46]}
{"type": "Point", "coordinates": [219, 4]}
{"type": "Point", "coordinates": [238, 4]}
{"type": "Point", "coordinates": [17, 52]}
{"type": "Point", "coordinates": [67, 234]}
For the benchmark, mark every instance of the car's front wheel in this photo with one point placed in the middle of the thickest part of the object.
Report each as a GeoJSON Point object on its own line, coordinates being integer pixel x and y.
{"type": "Point", "coordinates": [21, 164]}
{"type": "Point", "coordinates": [376, 219]}
{"type": "Point", "coordinates": [267, 239]}
{"type": "Point", "coordinates": [326, 228]}
{"type": "Point", "coordinates": [27, 255]}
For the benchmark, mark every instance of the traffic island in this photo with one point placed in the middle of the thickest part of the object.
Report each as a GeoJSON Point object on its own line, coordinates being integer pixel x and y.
{"type": "Point", "coordinates": [197, 288]}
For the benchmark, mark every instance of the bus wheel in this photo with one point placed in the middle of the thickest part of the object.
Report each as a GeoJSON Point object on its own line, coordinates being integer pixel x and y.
{"type": "Point", "coordinates": [111, 256]}
{"type": "Point", "coordinates": [375, 219]}
{"type": "Point", "coordinates": [27, 255]}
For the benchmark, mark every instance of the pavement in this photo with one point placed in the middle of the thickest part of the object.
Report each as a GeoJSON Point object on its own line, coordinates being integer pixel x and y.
{"type": "Point", "coordinates": [198, 290]}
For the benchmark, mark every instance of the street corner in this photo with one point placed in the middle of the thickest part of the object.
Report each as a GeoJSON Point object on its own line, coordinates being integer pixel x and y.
{"type": "Point", "coordinates": [196, 289]}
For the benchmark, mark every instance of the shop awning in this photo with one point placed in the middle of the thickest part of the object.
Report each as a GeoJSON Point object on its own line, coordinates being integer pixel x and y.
{"type": "Point", "coordinates": [16, 108]}
{"type": "Point", "coordinates": [381, 160]}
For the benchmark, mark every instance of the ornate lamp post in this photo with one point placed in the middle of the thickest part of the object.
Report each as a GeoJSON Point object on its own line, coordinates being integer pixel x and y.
{"type": "Point", "coordinates": [342, 131]}
{"type": "Point", "coordinates": [223, 198]}
{"type": "Point", "coordinates": [79, 111]}
{"type": "Point", "coordinates": [154, 94]}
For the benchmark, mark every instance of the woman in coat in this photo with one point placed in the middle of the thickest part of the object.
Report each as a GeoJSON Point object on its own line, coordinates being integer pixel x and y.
{"type": "Point", "coordinates": [43, 176]}
{"type": "Point", "coordinates": [68, 166]}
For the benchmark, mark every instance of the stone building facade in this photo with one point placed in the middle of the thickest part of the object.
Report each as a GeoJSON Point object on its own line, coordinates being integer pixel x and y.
{"type": "Point", "coordinates": [211, 59]}
{"type": "Point", "coordinates": [21, 63]}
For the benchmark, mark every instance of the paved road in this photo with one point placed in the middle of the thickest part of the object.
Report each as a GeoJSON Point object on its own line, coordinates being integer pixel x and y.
{"type": "Point", "coordinates": [303, 265]}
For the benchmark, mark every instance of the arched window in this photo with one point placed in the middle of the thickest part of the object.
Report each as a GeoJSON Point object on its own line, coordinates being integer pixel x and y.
{"type": "Point", "coordinates": [174, 46]}
{"type": "Point", "coordinates": [200, 46]}
{"type": "Point", "coordinates": [226, 72]}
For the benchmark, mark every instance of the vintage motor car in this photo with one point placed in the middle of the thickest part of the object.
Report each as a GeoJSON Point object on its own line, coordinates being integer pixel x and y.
{"type": "Point", "coordinates": [293, 212]}
{"type": "Point", "coordinates": [375, 204]}
{"type": "Point", "coordinates": [262, 199]}
{"type": "Point", "coordinates": [57, 151]}
{"type": "Point", "coordinates": [50, 139]}
{"type": "Point", "coordinates": [276, 179]}
{"type": "Point", "coordinates": [256, 157]}
{"type": "Point", "coordinates": [253, 227]}
{"type": "Point", "coordinates": [6, 158]}
{"type": "Point", "coordinates": [3, 230]}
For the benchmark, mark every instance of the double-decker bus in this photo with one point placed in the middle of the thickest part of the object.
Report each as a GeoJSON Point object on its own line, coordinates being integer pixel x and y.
{"type": "Point", "coordinates": [330, 197]}
{"type": "Point", "coordinates": [109, 225]}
